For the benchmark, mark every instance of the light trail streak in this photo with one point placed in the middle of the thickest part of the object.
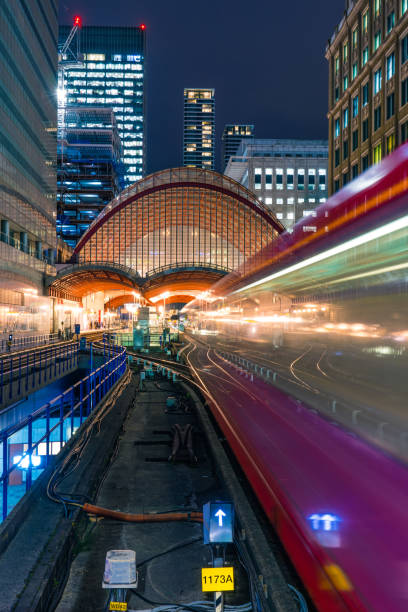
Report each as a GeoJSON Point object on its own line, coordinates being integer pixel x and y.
{"type": "Point", "coordinates": [379, 232]}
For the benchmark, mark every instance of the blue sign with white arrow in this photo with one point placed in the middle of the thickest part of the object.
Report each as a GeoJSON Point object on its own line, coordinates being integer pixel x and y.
{"type": "Point", "coordinates": [218, 522]}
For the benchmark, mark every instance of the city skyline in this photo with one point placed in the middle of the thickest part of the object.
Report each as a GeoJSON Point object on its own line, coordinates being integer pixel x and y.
{"type": "Point", "coordinates": [258, 76]}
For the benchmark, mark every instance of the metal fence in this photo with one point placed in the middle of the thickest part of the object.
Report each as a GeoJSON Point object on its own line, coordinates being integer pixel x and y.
{"type": "Point", "coordinates": [22, 373]}
{"type": "Point", "coordinates": [26, 447]}
{"type": "Point", "coordinates": [23, 342]}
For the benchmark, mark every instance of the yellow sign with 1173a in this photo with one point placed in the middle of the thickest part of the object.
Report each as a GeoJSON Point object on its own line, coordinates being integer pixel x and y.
{"type": "Point", "coordinates": [217, 578]}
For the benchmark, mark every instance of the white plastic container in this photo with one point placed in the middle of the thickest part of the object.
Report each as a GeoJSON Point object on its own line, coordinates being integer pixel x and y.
{"type": "Point", "coordinates": [120, 569]}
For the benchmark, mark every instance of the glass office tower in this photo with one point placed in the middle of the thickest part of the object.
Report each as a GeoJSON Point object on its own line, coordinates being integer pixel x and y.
{"type": "Point", "coordinates": [231, 139]}
{"type": "Point", "coordinates": [112, 74]}
{"type": "Point", "coordinates": [199, 128]}
{"type": "Point", "coordinates": [28, 127]}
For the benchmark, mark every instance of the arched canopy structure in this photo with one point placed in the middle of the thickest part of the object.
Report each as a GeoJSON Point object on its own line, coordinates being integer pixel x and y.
{"type": "Point", "coordinates": [175, 232]}
{"type": "Point", "coordinates": [178, 217]}
{"type": "Point", "coordinates": [79, 280]}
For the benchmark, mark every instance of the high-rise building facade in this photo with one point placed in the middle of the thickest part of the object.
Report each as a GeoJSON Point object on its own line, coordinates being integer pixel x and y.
{"type": "Point", "coordinates": [199, 128]}
{"type": "Point", "coordinates": [113, 74]}
{"type": "Point", "coordinates": [231, 139]}
{"type": "Point", "coordinates": [28, 129]}
{"type": "Point", "coordinates": [288, 176]}
{"type": "Point", "coordinates": [368, 87]}
{"type": "Point", "coordinates": [89, 168]}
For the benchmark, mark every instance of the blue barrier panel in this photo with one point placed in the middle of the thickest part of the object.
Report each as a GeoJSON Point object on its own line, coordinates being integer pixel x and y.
{"type": "Point", "coordinates": [27, 446]}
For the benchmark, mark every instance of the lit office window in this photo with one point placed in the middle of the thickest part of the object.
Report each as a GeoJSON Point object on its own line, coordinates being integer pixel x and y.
{"type": "Point", "coordinates": [301, 200]}
{"type": "Point", "coordinates": [311, 179]}
{"type": "Point", "coordinates": [337, 128]}
{"type": "Point", "coordinates": [345, 83]}
{"type": "Point", "coordinates": [364, 56]}
{"type": "Point", "coordinates": [377, 40]}
{"type": "Point", "coordinates": [279, 215]}
{"type": "Point", "coordinates": [377, 154]}
{"type": "Point", "coordinates": [290, 216]}
{"type": "Point", "coordinates": [355, 106]}
{"type": "Point", "coordinates": [345, 117]}
{"type": "Point", "coordinates": [322, 179]}
{"type": "Point", "coordinates": [390, 143]}
{"type": "Point", "coordinates": [268, 201]}
{"type": "Point", "coordinates": [268, 178]}
{"type": "Point", "coordinates": [364, 22]}
{"type": "Point", "coordinates": [279, 178]}
{"type": "Point", "coordinates": [354, 37]}
{"type": "Point", "coordinates": [279, 200]}
{"type": "Point", "coordinates": [354, 71]}
{"type": "Point", "coordinates": [345, 52]}
{"type": "Point", "coordinates": [258, 178]}
{"type": "Point", "coordinates": [377, 81]}
{"type": "Point", "coordinates": [289, 178]}
{"type": "Point", "coordinates": [390, 66]}
{"type": "Point", "coordinates": [301, 176]}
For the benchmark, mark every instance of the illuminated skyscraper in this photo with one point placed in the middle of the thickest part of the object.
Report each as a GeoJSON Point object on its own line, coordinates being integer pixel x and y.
{"type": "Point", "coordinates": [112, 74]}
{"type": "Point", "coordinates": [231, 139]}
{"type": "Point", "coordinates": [199, 128]}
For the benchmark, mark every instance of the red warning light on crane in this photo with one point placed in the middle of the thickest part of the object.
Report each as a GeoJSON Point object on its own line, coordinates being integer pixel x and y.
{"type": "Point", "coordinates": [77, 21]}
{"type": "Point", "coordinates": [142, 26]}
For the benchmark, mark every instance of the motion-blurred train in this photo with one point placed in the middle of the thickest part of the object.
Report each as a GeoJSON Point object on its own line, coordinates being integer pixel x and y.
{"type": "Point", "coordinates": [325, 309]}
{"type": "Point", "coordinates": [328, 302]}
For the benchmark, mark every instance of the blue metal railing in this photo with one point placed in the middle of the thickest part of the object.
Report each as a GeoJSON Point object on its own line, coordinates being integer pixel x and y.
{"type": "Point", "coordinates": [27, 446]}
{"type": "Point", "coordinates": [21, 373]}
{"type": "Point", "coordinates": [23, 342]}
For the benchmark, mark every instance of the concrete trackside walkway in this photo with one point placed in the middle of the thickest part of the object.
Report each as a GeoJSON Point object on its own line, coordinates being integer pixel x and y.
{"type": "Point", "coordinates": [140, 479]}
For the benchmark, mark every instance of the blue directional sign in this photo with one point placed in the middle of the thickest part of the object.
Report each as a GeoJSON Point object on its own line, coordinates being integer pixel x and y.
{"type": "Point", "coordinates": [218, 522]}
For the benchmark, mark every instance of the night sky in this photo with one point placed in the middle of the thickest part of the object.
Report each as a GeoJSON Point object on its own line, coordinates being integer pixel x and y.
{"type": "Point", "coordinates": [265, 59]}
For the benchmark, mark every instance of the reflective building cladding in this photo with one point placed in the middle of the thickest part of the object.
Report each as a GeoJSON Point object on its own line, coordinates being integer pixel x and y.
{"type": "Point", "coordinates": [89, 168]}
{"type": "Point", "coordinates": [199, 128]}
{"type": "Point", "coordinates": [28, 124]}
{"type": "Point", "coordinates": [112, 74]}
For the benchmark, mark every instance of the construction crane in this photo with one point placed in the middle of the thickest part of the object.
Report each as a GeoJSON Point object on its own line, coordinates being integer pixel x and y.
{"type": "Point", "coordinates": [67, 59]}
{"type": "Point", "coordinates": [66, 46]}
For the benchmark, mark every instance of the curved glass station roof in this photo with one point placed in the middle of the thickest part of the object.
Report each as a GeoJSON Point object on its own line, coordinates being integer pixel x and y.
{"type": "Point", "coordinates": [177, 218]}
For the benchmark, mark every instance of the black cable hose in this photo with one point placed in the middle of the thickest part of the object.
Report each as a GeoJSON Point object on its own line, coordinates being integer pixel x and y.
{"type": "Point", "coordinates": [166, 603]}
{"type": "Point", "coordinates": [170, 550]}
{"type": "Point", "coordinates": [75, 455]}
